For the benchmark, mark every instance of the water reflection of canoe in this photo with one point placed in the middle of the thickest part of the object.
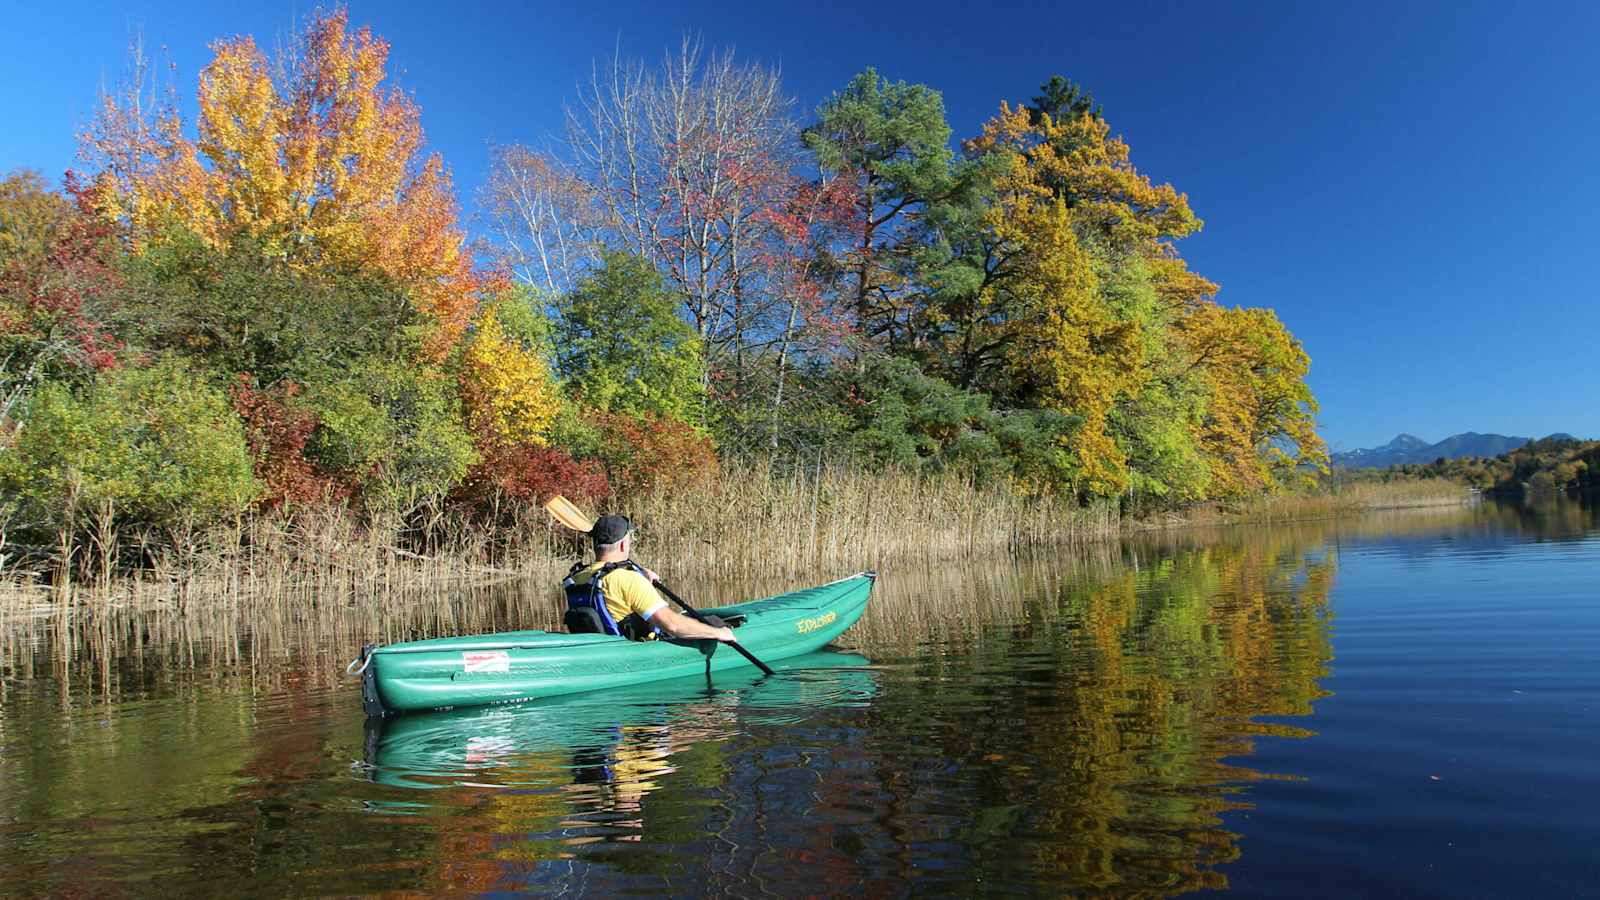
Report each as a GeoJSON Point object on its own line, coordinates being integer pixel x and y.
{"type": "Point", "coordinates": [539, 740]}
{"type": "Point", "coordinates": [521, 665]}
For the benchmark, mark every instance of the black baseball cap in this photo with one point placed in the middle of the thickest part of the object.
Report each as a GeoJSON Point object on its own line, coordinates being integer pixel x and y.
{"type": "Point", "coordinates": [610, 529]}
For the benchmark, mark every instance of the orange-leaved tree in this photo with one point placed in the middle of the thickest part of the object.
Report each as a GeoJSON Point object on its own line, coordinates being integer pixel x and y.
{"type": "Point", "coordinates": [277, 426]}
{"type": "Point", "coordinates": [649, 452]}
{"type": "Point", "coordinates": [310, 155]}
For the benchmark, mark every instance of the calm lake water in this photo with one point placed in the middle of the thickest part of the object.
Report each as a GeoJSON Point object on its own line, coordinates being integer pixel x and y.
{"type": "Point", "coordinates": [1405, 704]}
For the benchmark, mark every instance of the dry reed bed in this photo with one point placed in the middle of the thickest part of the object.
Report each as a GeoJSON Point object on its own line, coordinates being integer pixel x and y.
{"type": "Point", "coordinates": [754, 522]}
{"type": "Point", "coordinates": [750, 522]}
{"type": "Point", "coordinates": [108, 655]}
{"type": "Point", "coordinates": [249, 596]}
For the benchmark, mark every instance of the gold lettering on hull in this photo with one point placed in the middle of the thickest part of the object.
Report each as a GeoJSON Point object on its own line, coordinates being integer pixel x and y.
{"type": "Point", "coordinates": [805, 625]}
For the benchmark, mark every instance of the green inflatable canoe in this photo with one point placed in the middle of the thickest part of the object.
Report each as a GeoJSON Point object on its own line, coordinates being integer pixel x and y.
{"type": "Point", "coordinates": [524, 665]}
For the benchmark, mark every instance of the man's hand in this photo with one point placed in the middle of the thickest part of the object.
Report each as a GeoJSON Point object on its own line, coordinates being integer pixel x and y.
{"type": "Point", "coordinates": [654, 578]}
{"type": "Point", "coordinates": [725, 635]}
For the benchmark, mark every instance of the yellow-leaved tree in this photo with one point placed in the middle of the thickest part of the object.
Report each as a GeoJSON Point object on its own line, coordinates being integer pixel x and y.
{"type": "Point", "coordinates": [510, 396]}
{"type": "Point", "coordinates": [1259, 431]}
{"type": "Point", "coordinates": [1069, 351]}
{"type": "Point", "coordinates": [309, 155]}
{"type": "Point", "coordinates": [1100, 318]}
{"type": "Point", "coordinates": [1067, 205]}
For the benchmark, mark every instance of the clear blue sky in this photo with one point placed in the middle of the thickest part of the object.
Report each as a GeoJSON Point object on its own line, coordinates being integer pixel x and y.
{"type": "Point", "coordinates": [1412, 187]}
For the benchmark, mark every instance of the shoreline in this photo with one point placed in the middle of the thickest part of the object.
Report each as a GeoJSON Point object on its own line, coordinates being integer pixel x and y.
{"type": "Point", "coordinates": [747, 526]}
{"type": "Point", "coordinates": [1294, 508]}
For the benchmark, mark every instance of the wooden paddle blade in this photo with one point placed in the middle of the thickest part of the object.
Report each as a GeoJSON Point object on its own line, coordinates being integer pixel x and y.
{"type": "Point", "coordinates": [568, 514]}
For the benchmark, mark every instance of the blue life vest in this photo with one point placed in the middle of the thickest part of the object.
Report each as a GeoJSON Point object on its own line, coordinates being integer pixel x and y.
{"type": "Point", "coordinates": [586, 605]}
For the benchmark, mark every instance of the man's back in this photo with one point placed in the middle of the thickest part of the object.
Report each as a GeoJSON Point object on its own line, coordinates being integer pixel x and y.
{"type": "Point", "coordinates": [626, 589]}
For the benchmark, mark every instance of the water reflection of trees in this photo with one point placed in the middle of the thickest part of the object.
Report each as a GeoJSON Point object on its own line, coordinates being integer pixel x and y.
{"type": "Point", "coordinates": [1087, 740]}
{"type": "Point", "coordinates": [1543, 518]}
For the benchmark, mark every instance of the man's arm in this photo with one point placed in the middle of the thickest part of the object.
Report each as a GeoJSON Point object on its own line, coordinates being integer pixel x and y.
{"type": "Point", "coordinates": [642, 597]}
{"type": "Point", "coordinates": [681, 626]}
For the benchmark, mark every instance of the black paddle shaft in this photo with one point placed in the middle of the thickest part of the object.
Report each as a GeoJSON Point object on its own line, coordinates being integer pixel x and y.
{"type": "Point", "coordinates": [696, 614]}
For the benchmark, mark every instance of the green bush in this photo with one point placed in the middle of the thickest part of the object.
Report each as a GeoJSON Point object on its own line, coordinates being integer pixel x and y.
{"type": "Point", "coordinates": [245, 309]}
{"type": "Point", "coordinates": [621, 347]}
{"type": "Point", "coordinates": [392, 431]}
{"type": "Point", "coordinates": [157, 444]}
{"type": "Point", "coordinates": [906, 418]}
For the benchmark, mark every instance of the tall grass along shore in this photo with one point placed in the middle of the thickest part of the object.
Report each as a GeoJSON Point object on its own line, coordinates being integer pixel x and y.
{"type": "Point", "coordinates": [752, 522]}
{"type": "Point", "coordinates": [1330, 501]}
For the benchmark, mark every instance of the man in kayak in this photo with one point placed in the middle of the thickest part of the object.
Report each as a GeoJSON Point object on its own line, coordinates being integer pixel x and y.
{"type": "Point", "coordinates": [626, 602]}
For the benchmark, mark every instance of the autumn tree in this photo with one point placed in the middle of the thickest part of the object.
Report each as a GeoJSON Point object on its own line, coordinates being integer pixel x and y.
{"type": "Point", "coordinates": [1069, 351]}
{"type": "Point", "coordinates": [301, 244]}
{"type": "Point", "coordinates": [55, 302]}
{"type": "Point", "coordinates": [792, 319]}
{"type": "Point", "coordinates": [514, 406]}
{"type": "Point", "coordinates": [1060, 286]}
{"type": "Point", "coordinates": [311, 156]}
{"type": "Point", "coordinates": [1259, 428]}
{"type": "Point", "coordinates": [277, 427]}
{"type": "Point", "coordinates": [1058, 148]}
{"type": "Point", "coordinates": [1077, 160]}
{"type": "Point", "coordinates": [693, 166]}
{"type": "Point", "coordinates": [677, 162]}
{"type": "Point", "coordinates": [511, 398]}
{"type": "Point", "coordinates": [541, 215]}
{"type": "Point", "coordinates": [31, 215]}
{"type": "Point", "coordinates": [1031, 301]}
{"type": "Point", "coordinates": [1156, 426]}
{"type": "Point", "coordinates": [648, 451]}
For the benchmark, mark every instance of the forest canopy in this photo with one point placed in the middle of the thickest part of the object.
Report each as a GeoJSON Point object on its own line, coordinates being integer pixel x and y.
{"type": "Point", "coordinates": [277, 303]}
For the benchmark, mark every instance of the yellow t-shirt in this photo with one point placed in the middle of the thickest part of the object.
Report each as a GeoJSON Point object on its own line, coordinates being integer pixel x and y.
{"type": "Point", "coordinates": [626, 592]}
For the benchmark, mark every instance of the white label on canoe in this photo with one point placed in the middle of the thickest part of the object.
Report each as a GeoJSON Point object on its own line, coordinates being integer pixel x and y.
{"type": "Point", "coordinates": [487, 661]}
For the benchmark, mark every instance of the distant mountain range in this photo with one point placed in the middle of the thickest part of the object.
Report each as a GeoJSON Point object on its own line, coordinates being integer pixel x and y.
{"type": "Point", "coordinates": [1408, 448]}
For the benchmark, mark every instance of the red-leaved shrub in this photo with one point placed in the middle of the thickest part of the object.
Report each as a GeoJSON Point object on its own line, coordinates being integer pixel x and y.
{"type": "Point", "coordinates": [51, 310]}
{"type": "Point", "coordinates": [648, 452]}
{"type": "Point", "coordinates": [528, 474]}
{"type": "Point", "coordinates": [277, 430]}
